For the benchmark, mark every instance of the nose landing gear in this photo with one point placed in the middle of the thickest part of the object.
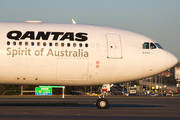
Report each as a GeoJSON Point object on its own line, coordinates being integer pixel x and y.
{"type": "Point", "coordinates": [102, 103]}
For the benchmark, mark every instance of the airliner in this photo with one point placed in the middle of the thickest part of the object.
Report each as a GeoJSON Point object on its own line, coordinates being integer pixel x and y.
{"type": "Point", "coordinates": [36, 53]}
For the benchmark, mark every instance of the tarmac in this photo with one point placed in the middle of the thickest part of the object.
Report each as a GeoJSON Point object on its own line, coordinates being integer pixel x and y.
{"type": "Point", "coordinates": [126, 108]}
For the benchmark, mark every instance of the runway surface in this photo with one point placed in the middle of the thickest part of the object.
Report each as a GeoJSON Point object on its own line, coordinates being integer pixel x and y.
{"type": "Point", "coordinates": [132, 108]}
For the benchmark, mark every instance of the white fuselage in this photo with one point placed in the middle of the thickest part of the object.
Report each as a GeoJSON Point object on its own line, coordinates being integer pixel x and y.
{"type": "Point", "coordinates": [72, 54]}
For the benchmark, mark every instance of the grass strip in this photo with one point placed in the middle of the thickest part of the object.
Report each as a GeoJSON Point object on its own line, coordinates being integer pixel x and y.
{"type": "Point", "coordinates": [37, 104]}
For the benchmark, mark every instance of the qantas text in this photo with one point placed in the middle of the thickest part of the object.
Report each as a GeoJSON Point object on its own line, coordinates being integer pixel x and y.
{"type": "Point", "coordinates": [32, 35]}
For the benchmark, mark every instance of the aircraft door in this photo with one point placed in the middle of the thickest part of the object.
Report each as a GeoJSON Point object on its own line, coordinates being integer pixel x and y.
{"type": "Point", "coordinates": [114, 49]}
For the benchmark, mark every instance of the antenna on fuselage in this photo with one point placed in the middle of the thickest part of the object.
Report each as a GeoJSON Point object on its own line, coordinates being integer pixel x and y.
{"type": "Point", "coordinates": [74, 22]}
{"type": "Point", "coordinates": [32, 21]}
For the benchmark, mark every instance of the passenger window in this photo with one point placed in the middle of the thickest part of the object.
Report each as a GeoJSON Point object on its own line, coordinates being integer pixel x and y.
{"type": "Point", "coordinates": [26, 43]}
{"type": "Point", "coordinates": [80, 44]}
{"type": "Point", "coordinates": [8, 43]}
{"type": "Point", "coordinates": [38, 43]}
{"type": "Point", "coordinates": [14, 43]}
{"type": "Point", "coordinates": [152, 46]}
{"type": "Point", "coordinates": [74, 44]}
{"type": "Point", "coordinates": [146, 45]}
{"type": "Point", "coordinates": [56, 44]}
{"type": "Point", "coordinates": [62, 44]}
{"type": "Point", "coordinates": [50, 44]}
{"type": "Point", "coordinates": [32, 43]}
{"type": "Point", "coordinates": [44, 44]}
{"type": "Point", "coordinates": [68, 44]}
{"type": "Point", "coordinates": [86, 45]}
{"type": "Point", "coordinates": [20, 43]}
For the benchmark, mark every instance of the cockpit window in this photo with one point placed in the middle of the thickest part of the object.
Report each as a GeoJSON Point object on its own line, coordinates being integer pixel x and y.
{"type": "Point", "coordinates": [146, 45]}
{"type": "Point", "coordinates": [152, 46]}
{"type": "Point", "coordinates": [158, 46]}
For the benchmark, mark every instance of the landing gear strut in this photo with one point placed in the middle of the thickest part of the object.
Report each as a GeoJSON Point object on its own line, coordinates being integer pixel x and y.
{"type": "Point", "coordinates": [102, 103]}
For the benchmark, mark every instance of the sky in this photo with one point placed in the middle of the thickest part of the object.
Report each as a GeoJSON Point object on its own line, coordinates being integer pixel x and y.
{"type": "Point", "coordinates": [157, 19]}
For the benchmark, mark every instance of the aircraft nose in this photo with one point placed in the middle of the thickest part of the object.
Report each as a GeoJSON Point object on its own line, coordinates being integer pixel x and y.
{"type": "Point", "coordinates": [171, 60]}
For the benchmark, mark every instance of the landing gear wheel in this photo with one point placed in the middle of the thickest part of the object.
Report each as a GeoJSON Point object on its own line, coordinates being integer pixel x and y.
{"type": "Point", "coordinates": [102, 103]}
